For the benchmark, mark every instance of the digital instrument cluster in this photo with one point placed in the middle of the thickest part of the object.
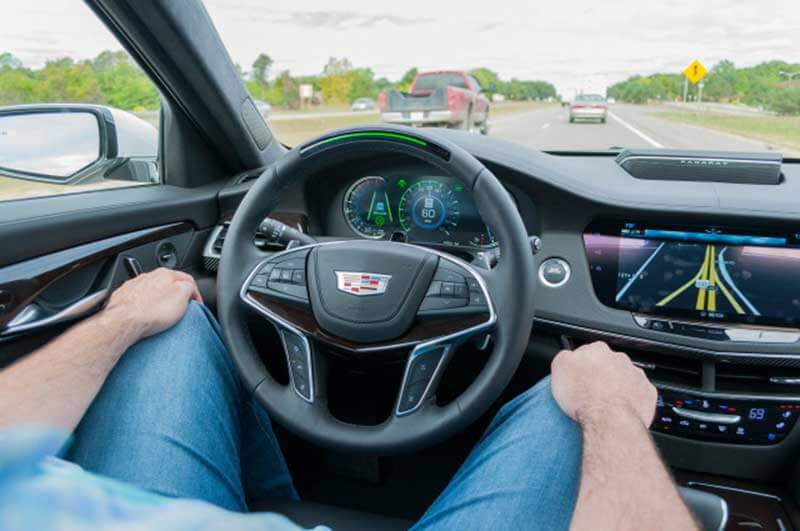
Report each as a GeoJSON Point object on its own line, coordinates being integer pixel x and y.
{"type": "Point", "coordinates": [424, 210]}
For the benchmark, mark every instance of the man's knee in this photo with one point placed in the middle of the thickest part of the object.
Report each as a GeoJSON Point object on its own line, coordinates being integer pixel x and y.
{"type": "Point", "coordinates": [191, 349]}
{"type": "Point", "coordinates": [196, 321]}
{"type": "Point", "coordinates": [536, 410]}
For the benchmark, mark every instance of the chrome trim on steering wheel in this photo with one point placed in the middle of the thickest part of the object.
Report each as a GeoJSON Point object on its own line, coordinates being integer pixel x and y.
{"type": "Point", "coordinates": [447, 342]}
{"type": "Point", "coordinates": [263, 310]}
{"type": "Point", "coordinates": [281, 324]}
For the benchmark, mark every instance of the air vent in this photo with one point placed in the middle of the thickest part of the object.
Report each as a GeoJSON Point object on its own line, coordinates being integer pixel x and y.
{"type": "Point", "coordinates": [662, 368]}
{"type": "Point", "coordinates": [758, 379]}
{"type": "Point", "coordinates": [668, 369]}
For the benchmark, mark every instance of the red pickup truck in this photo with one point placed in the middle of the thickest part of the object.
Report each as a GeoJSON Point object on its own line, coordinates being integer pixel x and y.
{"type": "Point", "coordinates": [442, 98]}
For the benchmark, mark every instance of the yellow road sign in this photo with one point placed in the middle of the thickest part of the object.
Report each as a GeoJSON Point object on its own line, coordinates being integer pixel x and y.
{"type": "Point", "coordinates": [695, 71]}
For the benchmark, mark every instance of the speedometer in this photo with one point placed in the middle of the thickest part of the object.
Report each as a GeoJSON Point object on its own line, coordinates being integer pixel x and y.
{"type": "Point", "coordinates": [428, 211]}
{"type": "Point", "coordinates": [367, 207]}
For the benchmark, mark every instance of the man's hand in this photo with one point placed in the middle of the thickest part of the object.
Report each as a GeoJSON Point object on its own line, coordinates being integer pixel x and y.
{"type": "Point", "coordinates": [57, 383]}
{"type": "Point", "coordinates": [624, 484]}
{"type": "Point", "coordinates": [595, 379]}
{"type": "Point", "coordinates": [153, 302]}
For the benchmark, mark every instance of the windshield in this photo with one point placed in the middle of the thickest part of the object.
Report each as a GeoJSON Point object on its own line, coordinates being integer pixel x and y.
{"type": "Point", "coordinates": [589, 97]}
{"type": "Point", "coordinates": [311, 61]}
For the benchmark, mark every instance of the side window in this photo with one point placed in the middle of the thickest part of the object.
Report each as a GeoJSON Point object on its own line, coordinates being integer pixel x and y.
{"type": "Point", "coordinates": [476, 87]}
{"type": "Point", "coordinates": [76, 112]}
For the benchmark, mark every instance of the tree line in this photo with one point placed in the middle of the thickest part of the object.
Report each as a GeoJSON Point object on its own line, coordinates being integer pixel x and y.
{"type": "Point", "coordinates": [111, 78]}
{"type": "Point", "coordinates": [770, 85]}
{"type": "Point", "coordinates": [341, 82]}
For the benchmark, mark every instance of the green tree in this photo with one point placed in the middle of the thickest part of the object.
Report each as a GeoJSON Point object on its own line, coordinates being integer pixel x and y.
{"type": "Point", "coordinates": [336, 83]}
{"type": "Point", "coordinates": [336, 88]}
{"type": "Point", "coordinates": [786, 100]}
{"type": "Point", "coordinates": [488, 80]}
{"type": "Point", "coordinates": [404, 84]}
{"type": "Point", "coordinates": [261, 67]}
{"type": "Point", "coordinates": [122, 83]}
{"type": "Point", "coordinates": [721, 83]}
{"type": "Point", "coordinates": [16, 86]}
{"type": "Point", "coordinates": [64, 80]}
{"type": "Point", "coordinates": [7, 60]}
{"type": "Point", "coordinates": [362, 84]}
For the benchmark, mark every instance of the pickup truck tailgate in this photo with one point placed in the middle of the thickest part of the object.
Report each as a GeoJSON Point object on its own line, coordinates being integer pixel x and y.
{"type": "Point", "coordinates": [397, 101]}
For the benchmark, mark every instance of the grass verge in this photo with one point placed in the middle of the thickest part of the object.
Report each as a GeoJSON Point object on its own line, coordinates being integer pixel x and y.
{"type": "Point", "coordinates": [780, 132]}
{"type": "Point", "coordinates": [12, 188]}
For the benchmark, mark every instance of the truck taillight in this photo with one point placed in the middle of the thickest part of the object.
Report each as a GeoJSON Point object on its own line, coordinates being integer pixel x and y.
{"type": "Point", "coordinates": [578, 106]}
{"type": "Point", "coordinates": [382, 101]}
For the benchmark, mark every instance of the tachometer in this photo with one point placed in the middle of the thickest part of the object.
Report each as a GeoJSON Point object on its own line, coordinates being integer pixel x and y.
{"type": "Point", "coordinates": [428, 211]}
{"type": "Point", "coordinates": [367, 207]}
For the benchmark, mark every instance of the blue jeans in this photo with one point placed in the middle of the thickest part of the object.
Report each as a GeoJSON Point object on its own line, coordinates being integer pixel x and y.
{"type": "Point", "coordinates": [172, 418]}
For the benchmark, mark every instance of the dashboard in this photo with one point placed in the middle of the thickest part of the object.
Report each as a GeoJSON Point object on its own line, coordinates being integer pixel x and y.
{"type": "Point", "coordinates": [698, 282]}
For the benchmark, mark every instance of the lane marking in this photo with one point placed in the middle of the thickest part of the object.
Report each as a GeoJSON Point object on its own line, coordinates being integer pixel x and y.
{"type": "Point", "coordinates": [635, 131]}
{"type": "Point", "coordinates": [712, 287]}
{"type": "Point", "coordinates": [701, 292]}
{"type": "Point", "coordinates": [723, 269]}
{"type": "Point", "coordinates": [545, 126]}
{"type": "Point", "coordinates": [686, 286]}
{"type": "Point", "coordinates": [635, 277]}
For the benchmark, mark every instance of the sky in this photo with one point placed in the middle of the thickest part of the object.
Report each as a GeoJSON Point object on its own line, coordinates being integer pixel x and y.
{"type": "Point", "coordinates": [577, 44]}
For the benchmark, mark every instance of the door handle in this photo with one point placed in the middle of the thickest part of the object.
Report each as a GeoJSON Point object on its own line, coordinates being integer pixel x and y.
{"type": "Point", "coordinates": [34, 317]}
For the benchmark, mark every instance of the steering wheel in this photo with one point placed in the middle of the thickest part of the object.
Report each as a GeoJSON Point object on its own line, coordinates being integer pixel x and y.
{"type": "Point", "coordinates": [366, 298]}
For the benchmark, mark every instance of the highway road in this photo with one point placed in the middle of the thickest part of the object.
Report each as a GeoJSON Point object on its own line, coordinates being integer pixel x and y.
{"type": "Point", "coordinates": [627, 126]}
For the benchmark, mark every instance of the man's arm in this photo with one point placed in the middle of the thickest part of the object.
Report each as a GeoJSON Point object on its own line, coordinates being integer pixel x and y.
{"type": "Point", "coordinates": [56, 384]}
{"type": "Point", "coordinates": [624, 484]}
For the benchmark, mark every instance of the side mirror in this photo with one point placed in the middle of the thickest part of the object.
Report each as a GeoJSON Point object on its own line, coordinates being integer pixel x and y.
{"type": "Point", "coordinates": [76, 144]}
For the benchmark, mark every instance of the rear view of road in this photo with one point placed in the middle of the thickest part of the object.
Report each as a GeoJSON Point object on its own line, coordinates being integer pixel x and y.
{"type": "Point", "coordinates": [626, 126]}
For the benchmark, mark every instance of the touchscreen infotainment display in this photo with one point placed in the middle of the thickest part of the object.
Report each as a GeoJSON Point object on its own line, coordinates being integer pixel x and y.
{"type": "Point", "coordinates": [701, 273]}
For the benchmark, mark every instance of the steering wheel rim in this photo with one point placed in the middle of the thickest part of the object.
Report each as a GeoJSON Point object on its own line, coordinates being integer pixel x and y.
{"type": "Point", "coordinates": [510, 285]}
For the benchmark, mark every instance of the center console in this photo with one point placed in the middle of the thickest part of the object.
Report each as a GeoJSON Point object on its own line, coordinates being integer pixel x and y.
{"type": "Point", "coordinates": [726, 285]}
{"type": "Point", "coordinates": [728, 420]}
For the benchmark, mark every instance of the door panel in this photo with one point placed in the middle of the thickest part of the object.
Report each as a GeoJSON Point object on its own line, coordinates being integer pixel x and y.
{"type": "Point", "coordinates": [42, 296]}
{"type": "Point", "coordinates": [35, 227]}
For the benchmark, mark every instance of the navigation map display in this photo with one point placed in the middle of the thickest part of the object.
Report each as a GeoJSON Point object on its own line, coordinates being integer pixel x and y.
{"type": "Point", "coordinates": [705, 273]}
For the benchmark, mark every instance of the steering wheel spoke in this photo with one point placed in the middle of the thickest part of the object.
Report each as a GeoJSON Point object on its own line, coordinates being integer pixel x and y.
{"type": "Point", "coordinates": [421, 376]}
{"type": "Point", "coordinates": [459, 297]}
{"type": "Point", "coordinates": [301, 363]}
{"type": "Point", "coordinates": [458, 303]}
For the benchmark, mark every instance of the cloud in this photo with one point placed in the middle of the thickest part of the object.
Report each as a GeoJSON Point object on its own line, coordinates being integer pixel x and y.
{"type": "Point", "coordinates": [347, 19]}
{"type": "Point", "coordinates": [572, 44]}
